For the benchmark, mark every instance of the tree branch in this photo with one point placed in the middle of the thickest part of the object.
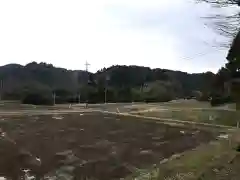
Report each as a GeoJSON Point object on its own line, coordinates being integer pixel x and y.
{"type": "Point", "coordinates": [222, 2]}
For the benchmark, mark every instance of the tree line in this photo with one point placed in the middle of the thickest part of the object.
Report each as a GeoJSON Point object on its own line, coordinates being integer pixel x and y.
{"type": "Point", "coordinates": [40, 83]}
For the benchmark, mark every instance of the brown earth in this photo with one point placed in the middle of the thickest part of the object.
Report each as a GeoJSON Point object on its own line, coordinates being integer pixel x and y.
{"type": "Point", "coordinates": [91, 145]}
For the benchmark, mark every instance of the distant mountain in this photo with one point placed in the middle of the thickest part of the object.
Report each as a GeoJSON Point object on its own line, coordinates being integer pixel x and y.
{"type": "Point", "coordinates": [123, 80]}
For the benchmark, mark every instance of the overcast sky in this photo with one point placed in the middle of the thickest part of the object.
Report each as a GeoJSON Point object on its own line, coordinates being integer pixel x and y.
{"type": "Point", "coordinates": [66, 33]}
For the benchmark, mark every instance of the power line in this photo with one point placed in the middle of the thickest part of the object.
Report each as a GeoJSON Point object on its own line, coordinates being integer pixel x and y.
{"type": "Point", "coordinates": [200, 55]}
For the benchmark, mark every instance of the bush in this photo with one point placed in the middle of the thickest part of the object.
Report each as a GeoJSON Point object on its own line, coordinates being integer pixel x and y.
{"type": "Point", "coordinates": [37, 99]}
{"type": "Point", "coordinates": [66, 99]}
{"type": "Point", "coordinates": [238, 148]}
{"type": "Point", "coordinates": [219, 100]}
{"type": "Point", "coordinates": [11, 96]}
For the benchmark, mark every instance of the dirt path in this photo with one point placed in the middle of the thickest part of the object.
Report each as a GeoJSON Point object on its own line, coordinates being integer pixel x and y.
{"type": "Point", "coordinates": [168, 120]}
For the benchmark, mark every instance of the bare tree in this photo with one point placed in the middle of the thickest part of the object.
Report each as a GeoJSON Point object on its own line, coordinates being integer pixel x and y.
{"type": "Point", "coordinates": [228, 25]}
{"type": "Point", "coordinates": [222, 3]}
{"type": "Point", "coordinates": [225, 24]}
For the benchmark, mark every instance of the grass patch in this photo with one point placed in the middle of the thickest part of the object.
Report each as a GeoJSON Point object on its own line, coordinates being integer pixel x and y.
{"type": "Point", "coordinates": [195, 104]}
{"type": "Point", "coordinates": [211, 116]}
{"type": "Point", "coordinates": [207, 162]}
{"type": "Point", "coordinates": [187, 104]}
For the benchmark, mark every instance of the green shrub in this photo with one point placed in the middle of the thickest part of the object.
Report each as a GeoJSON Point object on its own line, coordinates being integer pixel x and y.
{"type": "Point", "coordinates": [238, 148]}
{"type": "Point", "coordinates": [219, 100]}
{"type": "Point", "coordinates": [37, 99]}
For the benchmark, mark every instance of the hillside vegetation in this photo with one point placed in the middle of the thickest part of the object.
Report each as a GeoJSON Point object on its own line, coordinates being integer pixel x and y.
{"type": "Point", "coordinates": [124, 83]}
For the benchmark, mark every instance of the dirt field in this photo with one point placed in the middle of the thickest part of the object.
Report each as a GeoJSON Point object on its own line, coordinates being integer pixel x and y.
{"type": "Point", "coordinates": [92, 145]}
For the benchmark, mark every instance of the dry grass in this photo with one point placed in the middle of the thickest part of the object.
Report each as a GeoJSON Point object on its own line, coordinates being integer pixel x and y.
{"type": "Point", "coordinates": [210, 116]}
{"type": "Point", "coordinates": [217, 160]}
{"type": "Point", "coordinates": [187, 104]}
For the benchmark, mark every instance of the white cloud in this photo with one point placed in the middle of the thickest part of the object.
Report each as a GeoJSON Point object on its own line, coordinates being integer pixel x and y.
{"type": "Point", "coordinates": [105, 32]}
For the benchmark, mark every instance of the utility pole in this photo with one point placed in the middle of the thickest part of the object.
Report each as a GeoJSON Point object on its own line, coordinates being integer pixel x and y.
{"type": "Point", "coordinates": [54, 97]}
{"type": "Point", "coordinates": [87, 64]}
{"type": "Point", "coordinates": [105, 99]}
{"type": "Point", "coordinates": [1, 87]}
{"type": "Point", "coordinates": [106, 84]}
{"type": "Point", "coordinates": [79, 98]}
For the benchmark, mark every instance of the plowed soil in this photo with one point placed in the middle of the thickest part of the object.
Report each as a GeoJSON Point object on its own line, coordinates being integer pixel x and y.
{"type": "Point", "coordinates": [91, 145]}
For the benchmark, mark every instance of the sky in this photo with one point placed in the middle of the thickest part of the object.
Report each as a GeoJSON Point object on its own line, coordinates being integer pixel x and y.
{"type": "Point", "coordinates": [67, 33]}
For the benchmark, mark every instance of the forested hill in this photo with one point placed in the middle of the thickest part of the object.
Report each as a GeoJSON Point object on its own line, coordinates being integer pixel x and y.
{"type": "Point", "coordinates": [124, 83]}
